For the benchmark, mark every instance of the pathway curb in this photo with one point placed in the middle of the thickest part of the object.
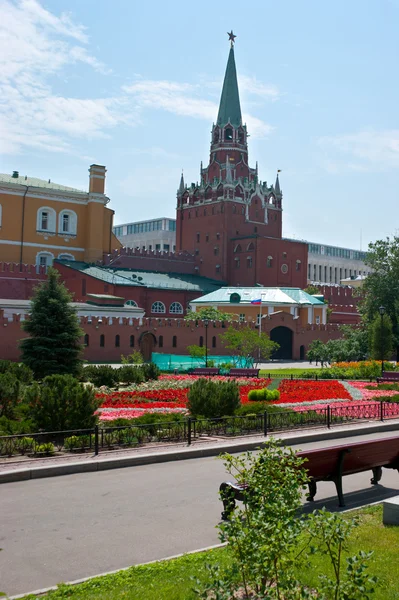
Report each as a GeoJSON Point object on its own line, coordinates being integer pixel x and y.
{"type": "Point", "coordinates": [99, 464]}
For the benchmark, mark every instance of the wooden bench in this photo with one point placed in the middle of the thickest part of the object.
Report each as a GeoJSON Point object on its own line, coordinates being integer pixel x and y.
{"type": "Point", "coordinates": [330, 464]}
{"type": "Point", "coordinates": [244, 372]}
{"type": "Point", "coordinates": [206, 371]}
{"type": "Point", "coordinates": [388, 376]}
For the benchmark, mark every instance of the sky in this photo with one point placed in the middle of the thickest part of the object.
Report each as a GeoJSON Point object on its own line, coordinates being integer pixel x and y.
{"type": "Point", "coordinates": [135, 86]}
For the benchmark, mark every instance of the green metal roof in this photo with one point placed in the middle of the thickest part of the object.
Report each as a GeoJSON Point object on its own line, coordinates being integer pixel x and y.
{"type": "Point", "coordinates": [271, 296]}
{"type": "Point", "coordinates": [149, 279]}
{"type": "Point", "coordinates": [229, 108]}
{"type": "Point", "coordinates": [35, 182]}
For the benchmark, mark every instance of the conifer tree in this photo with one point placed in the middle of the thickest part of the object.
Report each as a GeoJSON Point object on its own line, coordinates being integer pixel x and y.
{"type": "Point", "coordinates": [53, 345]}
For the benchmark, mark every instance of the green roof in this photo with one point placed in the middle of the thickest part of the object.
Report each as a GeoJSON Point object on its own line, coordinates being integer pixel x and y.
{"type": "Point", "coordinates": [35, 182]}
{"type": "Point", "coordinates": [271, 296]}
{"type": "Point", "coordinates": [229, 108]}
{"type": "Point", "coordinates": [149, 279]}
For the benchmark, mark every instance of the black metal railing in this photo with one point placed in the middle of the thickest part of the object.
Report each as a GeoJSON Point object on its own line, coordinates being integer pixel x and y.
{"type": "Point", "coordinates": [190, 430]}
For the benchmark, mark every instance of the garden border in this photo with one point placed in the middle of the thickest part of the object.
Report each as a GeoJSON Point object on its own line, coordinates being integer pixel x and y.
{"type": "Point", "coordinates": [102, 464]}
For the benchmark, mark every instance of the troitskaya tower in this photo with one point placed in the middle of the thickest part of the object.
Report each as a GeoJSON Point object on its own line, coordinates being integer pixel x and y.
{"type": "Point", "coordinates": [229, 209]}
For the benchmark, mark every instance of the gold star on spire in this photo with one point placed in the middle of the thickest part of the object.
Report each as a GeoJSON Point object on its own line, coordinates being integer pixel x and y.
{"type": "Point", "coordinates": [231, 37]}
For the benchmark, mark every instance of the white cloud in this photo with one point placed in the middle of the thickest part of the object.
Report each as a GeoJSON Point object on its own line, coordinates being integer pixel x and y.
{"type": "Point", "coordinates": [361, 151]}
{"type": "Point", "coordinates": [35, 45]}
{"type": "Point", "coordinates": [188, 100]}
{"type": "Point", "coordinates": [252, 86]}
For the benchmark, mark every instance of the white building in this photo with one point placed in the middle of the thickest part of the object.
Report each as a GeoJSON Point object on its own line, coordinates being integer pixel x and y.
{"type": "Point", "coordinates": [155, 234]}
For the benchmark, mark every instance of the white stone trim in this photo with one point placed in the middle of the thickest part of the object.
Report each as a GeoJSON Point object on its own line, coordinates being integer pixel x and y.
{"type": "Point", "coordinates": [95, 176]}
{"type": "Point", "coordinates": [73, 222]}
{"type": "Point", "coordinates": [34, 245]}
{"type": "Point", "coordinates": [51, 223]}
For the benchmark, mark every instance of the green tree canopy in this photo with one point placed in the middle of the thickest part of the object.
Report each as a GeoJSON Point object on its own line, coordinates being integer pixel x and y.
{"type": "Point", "coordinates": [248, 346]}
{"type": "Point", "coordinates": [381, 287]}
{"type": "Point", "coordinates": [381, 338]}
{"type": "Point", "coordinates": [53, 345]}
{"type": "Point", "coordinates": [312, 289]}
{"type": "Point", "coordinates": [211, 313]}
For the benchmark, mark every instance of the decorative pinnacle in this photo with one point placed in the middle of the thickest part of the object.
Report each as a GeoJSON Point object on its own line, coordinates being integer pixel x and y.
{"type": "Point", "coordinates": [231, 38]}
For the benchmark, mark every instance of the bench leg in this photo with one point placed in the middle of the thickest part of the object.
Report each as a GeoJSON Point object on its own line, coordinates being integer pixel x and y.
{"type": "Point", "coordinates": [312, 490]}
{"type": "Point", "coordinates": [377, 474]}
{"type": "Point", "coordinates": [227, 495]}
{"type": "Point", "coordinates": [340, 494]}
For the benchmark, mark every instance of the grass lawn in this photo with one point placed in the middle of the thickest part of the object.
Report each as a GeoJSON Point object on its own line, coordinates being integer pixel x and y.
{"type": "Point", "coordinates": [282, 372]}
{"type": "Point", "coordinates": [174, 580]}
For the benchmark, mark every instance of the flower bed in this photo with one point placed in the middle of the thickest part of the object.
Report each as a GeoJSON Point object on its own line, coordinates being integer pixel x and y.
{"type": "Point", "coordinates": [310, 391]}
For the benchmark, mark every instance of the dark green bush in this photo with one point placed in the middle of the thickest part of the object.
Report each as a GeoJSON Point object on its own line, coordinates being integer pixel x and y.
{"type": "Point", "coordinates": [150, 371]}
{"type": "Point", "coordinates": [9, 394]}
{"type": "Point", "coordinates": [61, 403]}
{"type": "Point", "coordinates": [23, 373]}
{"type": "Point", "coordinates": [100, 375]}
{"type": "Point", "coordinates": [259, 407]}
{"type": "Point", "coordinates": [213, 399]}
{"type": "Point", "coordinates": [129, 374]}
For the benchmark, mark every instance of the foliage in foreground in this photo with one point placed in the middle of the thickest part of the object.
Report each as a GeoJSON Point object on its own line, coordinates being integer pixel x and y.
{"type": "Point", "coordinates": [61, 403]}
{"type": "Point", "coordinates": [53, 345]}
{"type": "Point", "coordinates": [213, 398]}
{"type": "Point", "coordinates": [271, 542]}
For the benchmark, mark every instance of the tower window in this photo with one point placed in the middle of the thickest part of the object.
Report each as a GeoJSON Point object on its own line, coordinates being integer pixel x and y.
{"type": "Point", "coordinates": [298, 265]}
{"type": "Point", "coordinates": [216, 250]}
{"type": "Point", "coordinates": [86, 340]}
{"type": "Point", "coordinates": [198, 237]}
{"type": "Point", "coordinates": [102, 340]}
{"type": "Point", "coordinates": [228, 134]}
{"type": "Point", "coordinates": [218, 236]}
{"type": "Point", "coordinates": [117, 341]}
{"type": "Point", "coordinates": [217, 268]}
{"type": "Point", "coordinates": [237, 263]}
{"type": "Point", "coordinates": [269, 261]}
{"type": "Point", "coordinates": [214, 341]}
{"type": "Point", "coordinates": [249, 262]}
{"type": "Point", "coordinates": [132, 341]}
{"type": "Point", "coordinates": [160, 341]}
{"type": "Point", "coordinates": [201, 342]}
{"type": "Point", "coordinates": [174, 341]}
{"type": "Point", "coordinates": [207, 237]}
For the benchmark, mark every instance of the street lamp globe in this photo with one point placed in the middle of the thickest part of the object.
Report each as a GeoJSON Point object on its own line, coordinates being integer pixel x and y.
{"type": "Point", "coordinates": [381, 310]}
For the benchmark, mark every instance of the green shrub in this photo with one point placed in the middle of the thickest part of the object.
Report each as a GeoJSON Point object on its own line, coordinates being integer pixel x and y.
{"type": "Point", "coordinates": [23, 373]}
{"type": "Point", "coordinates": [135, 358]}
{"type": "Point", "coordinates": [25, 444]}
{"type": "Point", "coordinates": [213, 399]}
{"type": "Point", "coordinates": [128, 374]}
{"type": "Point", "coordinates": [150, 371]}
{"type": "Point", "coordinates": [9, 394]}
{"type": "Point", "coordinates": [47, 449]}
{"type": "Point", "coordinates": [259, 407]}
{"type": "Point", "coordinates": [61, 403]}
{"type": "Point", "coordinates": [77, 442]}
{"type": "Point", "coordinates": [100, 375]}
{"type": "Point", "coordinates": [263, 395]}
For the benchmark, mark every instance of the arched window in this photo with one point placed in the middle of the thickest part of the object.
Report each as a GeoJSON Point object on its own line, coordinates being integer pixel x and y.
{"type": "Point", "coordinates": [86, 339]}
{"type": "Point", "coordinates": [131, 303]}
{"type": "Point", "coordinates": [160, 341]}
{"type": "Point", "coordinates": [44, 259]}
{"type": "Point", "coordinates": [102, 340]}
{"type": "Point", "coordinates": [250, 247]}
{"type": "Point", "coordinates": [217, 268]}
{"type": "Point", "coordinates": [67, 222]}
{"type": "Point", "coordinates": [298, 265]}
{"type": "Point", "coordinates": [216, 250]}
{"type": "Point", "coordinates": [238, 248]}
{"type": "Point", "coordinates": [117, 341]}
{"type": "Point", "coordinates": [158, 307]}
{"type": "Point", "coordinates": [174, 341]}
{"type": "Point", "coordinates": [46, 219]}
{"type": "Point", "coordinates": [201, 341]}
{"type": "Point", "coordinates": [214, 341]}
{"type": "Point", "coordinates": [132, 341]}
{"type": "Point", "coordinates": [228, 134]}
{"type": "Point", "coordinates": [66, 256]}
{"type": "Point", "coordinates": [176, 308]}
{"type": "Point", "coordinates": [269, 261]}
{"type": "Point", "coordinates": [249, 262]}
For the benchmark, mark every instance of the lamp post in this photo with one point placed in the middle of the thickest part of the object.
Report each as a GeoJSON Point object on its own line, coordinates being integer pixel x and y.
{"type": "Point", "coordinates": [381, 310]}
{"type": "Point", "coordinates": [206, 323]}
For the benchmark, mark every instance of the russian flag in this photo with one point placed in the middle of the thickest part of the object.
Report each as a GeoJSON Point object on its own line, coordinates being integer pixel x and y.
{"type": "Point", "coordinates": [259, 301]}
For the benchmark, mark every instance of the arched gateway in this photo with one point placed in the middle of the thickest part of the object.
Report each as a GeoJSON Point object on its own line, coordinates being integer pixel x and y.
{"type": "Point", "coordinates": [283, 336]}
{"type": "Point", "coordinates": [147, 342]}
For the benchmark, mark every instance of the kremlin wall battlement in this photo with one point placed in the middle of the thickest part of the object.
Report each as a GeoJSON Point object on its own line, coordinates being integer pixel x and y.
{"type": "Point", "coordinates": [106, 339]}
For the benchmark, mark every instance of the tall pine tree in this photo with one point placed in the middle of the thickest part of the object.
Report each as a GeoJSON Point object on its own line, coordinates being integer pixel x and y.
{"type": "Point", "coordinates": [53, 345]}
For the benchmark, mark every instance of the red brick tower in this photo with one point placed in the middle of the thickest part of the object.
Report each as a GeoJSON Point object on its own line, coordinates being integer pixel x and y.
{"type": "Point", "coordinates": [226, 218]}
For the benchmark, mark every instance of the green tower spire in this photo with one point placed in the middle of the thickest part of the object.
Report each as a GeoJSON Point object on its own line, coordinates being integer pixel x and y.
{"type": "Point", "coordinates": [229, 108]}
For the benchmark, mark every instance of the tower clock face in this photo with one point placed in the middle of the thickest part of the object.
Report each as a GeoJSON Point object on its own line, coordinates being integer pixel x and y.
{"type": "Point", "coordinates": [284, 268]}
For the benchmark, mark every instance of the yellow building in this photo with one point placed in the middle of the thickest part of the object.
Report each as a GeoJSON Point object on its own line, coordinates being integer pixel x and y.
{"type": "Point", "coordinates": [41, 220]}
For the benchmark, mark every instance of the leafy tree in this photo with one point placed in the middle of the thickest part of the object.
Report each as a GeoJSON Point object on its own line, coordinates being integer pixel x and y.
{"type": "Point", "coordinates": [317, 352]}
{"type": "Point", "coordinates": [271, 543]}
{"type": "Point", "coordinates": [9, 394]}
{"type": "Point", "coordinates": [61, 403]}
{"type": "Point", "coordinates": [248, 346]}
{"type": "Point", "coordinates": [312, 289]}
{"type": "Point", "coordinates": [381, 338]}
{"type": "Point", "coordinates": [381, 286]}
{"type": "Point", "coordinates": [211, 313]}
{"type": "Point", "coordinates": [53, 345]}
{"type": "Point", "coordinates": [197, 352]}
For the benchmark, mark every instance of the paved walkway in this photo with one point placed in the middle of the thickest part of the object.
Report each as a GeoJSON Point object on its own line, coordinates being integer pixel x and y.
{"type": "Point", "coordinates": [66, 528]}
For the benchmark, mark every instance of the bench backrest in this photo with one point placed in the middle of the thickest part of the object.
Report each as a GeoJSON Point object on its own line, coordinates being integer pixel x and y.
{"type": "Point", "coordinates": [244, 372]}
{"type": "Point", "coordinates": [390, 375]}
{"type": "Point", "coordinates": [206, 371]}
{"type": "Point", "coordinates": [361, 457]}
